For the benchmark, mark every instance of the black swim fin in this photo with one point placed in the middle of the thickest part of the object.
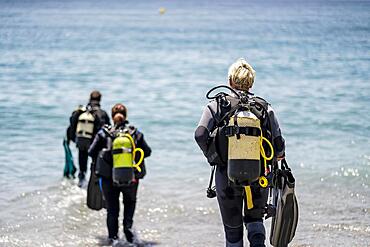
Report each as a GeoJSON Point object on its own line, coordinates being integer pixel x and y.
{"type": "Point", "coordinates": [69, 167]}
{"type": "Point", "coordinates": [285, 222]}
{"type": "Point", "coordinates": [95, 199]}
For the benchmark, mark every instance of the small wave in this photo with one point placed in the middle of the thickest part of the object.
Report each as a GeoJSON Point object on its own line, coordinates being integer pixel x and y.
{"type": "Point", "coordinates": [343, 227]}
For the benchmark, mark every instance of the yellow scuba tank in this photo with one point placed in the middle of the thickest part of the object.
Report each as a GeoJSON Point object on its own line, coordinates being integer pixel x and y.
{"type": "Point", "coordinates": [244, 137]}
{"type": "Point", "coordinates": [123, 152]}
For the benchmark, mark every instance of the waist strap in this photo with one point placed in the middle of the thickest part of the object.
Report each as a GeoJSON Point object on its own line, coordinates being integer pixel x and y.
{"type": "Point", "coordinates": [85, 121]}
{"type": "Point", "coordinates": [236, 130]}
{"type": "Point", "coordinates": [121, 150]}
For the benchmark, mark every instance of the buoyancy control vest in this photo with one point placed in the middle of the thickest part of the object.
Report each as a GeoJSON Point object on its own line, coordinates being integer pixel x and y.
{"type": "Point", "coordinates": [85, 128]}
{"type": "Point", "coordinates": [244, 137]}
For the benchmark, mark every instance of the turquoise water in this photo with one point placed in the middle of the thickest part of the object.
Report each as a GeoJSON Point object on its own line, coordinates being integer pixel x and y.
{"type": "Point", "coordinates": [312, 62]}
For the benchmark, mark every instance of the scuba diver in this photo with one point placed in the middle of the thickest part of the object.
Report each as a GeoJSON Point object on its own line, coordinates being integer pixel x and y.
{"type": "Point", "coordinates": [118, 152]}
{"type": "Point", "coordinates": [240, 136]}
{"type": "Point", "coordinates": [85, 122]}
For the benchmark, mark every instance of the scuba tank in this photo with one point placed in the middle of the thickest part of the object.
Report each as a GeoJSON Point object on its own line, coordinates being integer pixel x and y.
{"type": "Point", "coordinates": [123, 152]}
{"type": "Point", "coordinates": [244, 133]}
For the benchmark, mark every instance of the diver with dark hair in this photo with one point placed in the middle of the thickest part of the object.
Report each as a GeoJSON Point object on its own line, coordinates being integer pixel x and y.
{"type": "Point", "coordinates": [118, 152]}
{"type": "Point", "coordinates": [240, 136]}
{"type": "Point", "coordinates": [85, 122]}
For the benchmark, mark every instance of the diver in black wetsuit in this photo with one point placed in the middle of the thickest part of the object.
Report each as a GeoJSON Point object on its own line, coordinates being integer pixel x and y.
{"type": "Point", "coordinates": [231, 196]}
{"type": "Point", "coordinates": [82, 131]}
{"type": "Point", "coordinates": [111, 190]}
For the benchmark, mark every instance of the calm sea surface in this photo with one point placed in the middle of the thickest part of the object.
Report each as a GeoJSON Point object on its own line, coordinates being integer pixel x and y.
{"type": "Point", "coordinates": [312, 61]}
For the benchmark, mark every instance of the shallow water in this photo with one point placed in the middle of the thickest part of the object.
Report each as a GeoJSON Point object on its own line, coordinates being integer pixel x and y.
{"type": "Point", "coordinates": [312, 62]}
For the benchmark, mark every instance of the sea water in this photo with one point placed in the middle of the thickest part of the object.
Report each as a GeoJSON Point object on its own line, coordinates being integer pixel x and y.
{"type": "Point", "coordinates": [312, 60]}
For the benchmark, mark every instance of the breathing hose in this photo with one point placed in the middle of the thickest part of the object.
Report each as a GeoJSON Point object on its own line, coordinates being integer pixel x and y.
{"type": "Point", "coordinates": [221, 93]}
{"type": "Point", "coordinates": [263, 180]}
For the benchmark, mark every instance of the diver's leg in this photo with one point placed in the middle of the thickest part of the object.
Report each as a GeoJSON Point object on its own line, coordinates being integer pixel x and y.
{"type": "Point", "coordinates": [82, 161]}
{"type": "Point", "coordinates": [111, 195]}
{"type": "Point", "coordinates": [256, 234]}
{"type": "Point", "coordinates": [253, 218]}
{"type": "Point", "coordinates": [129, 202]}
{"type": "Point", "coordinates": [230, 201]}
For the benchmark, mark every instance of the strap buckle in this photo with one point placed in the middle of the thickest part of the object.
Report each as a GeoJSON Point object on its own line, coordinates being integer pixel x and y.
{"type": "Point", "coordinates": [229, 131]}
{"type": "Point", "coordinates": [236, 130]}
{"type": "Point", "coordinates": [232, 130]}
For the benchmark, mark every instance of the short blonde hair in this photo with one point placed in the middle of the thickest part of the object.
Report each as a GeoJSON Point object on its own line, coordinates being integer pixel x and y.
{"type": "Point", "coordinates": [241, 75]}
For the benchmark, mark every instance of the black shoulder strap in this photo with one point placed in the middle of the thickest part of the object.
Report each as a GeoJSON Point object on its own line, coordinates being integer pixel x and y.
{"type": "Point", "coordinates": [98, 115]}
{"type": "Point", "coordinates": [79, 110]}
{"type": "Point", "coordinates": [213, 114]}
{"type": "Point", "coordinates": [107, 129]}
{"type": "Point", "coordinates": [228, 110]}
{"type": "Point", "coordinates": [260, 101]}
{"type": "Point", "coordinates": [92, 109]}
{"type": "Point", "coordinates": [259, 107]}
{"type": "Point", "coordinates": [132, 130]}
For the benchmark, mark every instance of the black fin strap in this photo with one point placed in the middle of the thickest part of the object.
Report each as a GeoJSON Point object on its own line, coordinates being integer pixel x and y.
{"type": "Point", "coordinates": [211, 178]}
{"type": "Point", "coordinates": [211, 191]}
{"type": "Point", "coordinates": [284, 165]}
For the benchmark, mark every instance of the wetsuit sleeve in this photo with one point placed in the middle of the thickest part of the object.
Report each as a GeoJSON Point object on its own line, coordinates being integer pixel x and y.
{"type": "Point", "coordinates": [97, 126]}
{"type": "Point", "coordinates": [277, 138]}
{"type": "Point", "coordinates": [141, 143]}
{"type": "Point", "coordinates": [98, 144]}
{"type": "Point", "coordinates": [205, 127]}
{"type": "Point", "coordinates": [68, 134]}
{"type": "Point", "coordinates": [205, 135]}
{"type": "Point", "coordinates": [73, 125]}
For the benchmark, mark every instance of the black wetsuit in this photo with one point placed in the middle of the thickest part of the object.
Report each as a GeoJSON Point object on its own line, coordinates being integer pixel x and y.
{"type": "Point", "coordinates": [231, 197]}
{"type": "Point", "coordinates": [101, 118]}
{"type": "Point", "coordinates": [111, 192]}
